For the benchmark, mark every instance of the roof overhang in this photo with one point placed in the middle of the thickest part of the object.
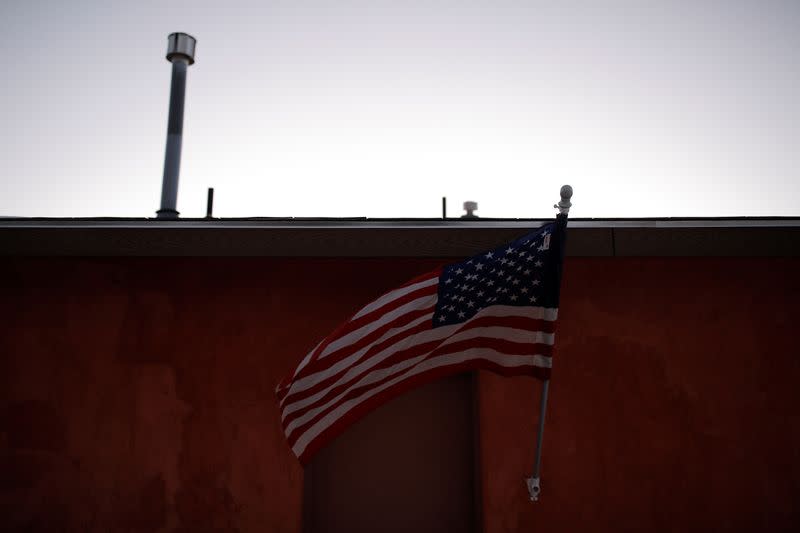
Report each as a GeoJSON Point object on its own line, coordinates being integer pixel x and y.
{"type": "Point", "coordinates": [391, 237]}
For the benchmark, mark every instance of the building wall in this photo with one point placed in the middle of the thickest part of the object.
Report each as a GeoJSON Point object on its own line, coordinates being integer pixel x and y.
{"type": "Point", "coordinates": [137, 394]}
{"type": "Point", "coordinates": [674, 403]}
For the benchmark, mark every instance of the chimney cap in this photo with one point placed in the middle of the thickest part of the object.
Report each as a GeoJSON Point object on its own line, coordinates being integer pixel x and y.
{"type": "Point", "coordinates": [181, 45]}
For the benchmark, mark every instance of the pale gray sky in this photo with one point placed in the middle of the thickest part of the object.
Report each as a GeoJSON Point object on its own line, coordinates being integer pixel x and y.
{"type": "Point", "coordinates": [379, 108]}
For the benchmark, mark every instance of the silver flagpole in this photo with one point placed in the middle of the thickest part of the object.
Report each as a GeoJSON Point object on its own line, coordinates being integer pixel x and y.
{"type": "Point", "coordinates": [533, 482]}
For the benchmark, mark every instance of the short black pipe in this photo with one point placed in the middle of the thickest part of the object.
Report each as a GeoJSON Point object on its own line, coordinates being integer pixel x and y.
{"type": "Point", "coordinates": [210, 203]}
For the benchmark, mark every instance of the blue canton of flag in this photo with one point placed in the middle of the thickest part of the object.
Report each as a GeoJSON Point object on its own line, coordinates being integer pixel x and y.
{"type": "Point", "coordinates": [521, 273]}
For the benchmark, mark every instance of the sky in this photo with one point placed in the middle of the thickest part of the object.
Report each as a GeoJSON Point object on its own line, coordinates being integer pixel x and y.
{"type": "Point", "coordinates": [380, 108]}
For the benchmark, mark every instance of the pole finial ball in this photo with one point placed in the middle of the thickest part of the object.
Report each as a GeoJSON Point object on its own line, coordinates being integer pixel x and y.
{"type": "Point", "coordinates": [564, 205]}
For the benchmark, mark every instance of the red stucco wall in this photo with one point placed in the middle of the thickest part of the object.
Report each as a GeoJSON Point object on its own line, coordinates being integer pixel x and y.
{"type": "Point", "coordinates": [674, 403]}
{"type": "Point", "coordinates": [136, 394]}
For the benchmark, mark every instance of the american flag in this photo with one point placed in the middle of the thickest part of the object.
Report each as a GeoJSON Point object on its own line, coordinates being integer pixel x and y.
{"type": "Point", "coordinates": [495, 311]}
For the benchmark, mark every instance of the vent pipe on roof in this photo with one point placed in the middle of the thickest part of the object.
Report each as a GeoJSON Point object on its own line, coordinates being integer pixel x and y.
{"type": "Point", "coordinates": [470, 208]}
{"type": "Point", "coordinates": [180, 52]}
{"type": "Point", "coordinates": [210, 203]}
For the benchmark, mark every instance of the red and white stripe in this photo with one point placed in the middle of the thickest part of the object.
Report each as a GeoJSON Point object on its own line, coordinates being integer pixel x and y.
{"type": "Point", "coordinates": [390, 346]}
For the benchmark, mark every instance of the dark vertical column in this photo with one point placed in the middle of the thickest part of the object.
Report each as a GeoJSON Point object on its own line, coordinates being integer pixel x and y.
{"type": "Point", "coordinates": [180, 51]}
{"type": "Point", "coordinates": [172, 157]}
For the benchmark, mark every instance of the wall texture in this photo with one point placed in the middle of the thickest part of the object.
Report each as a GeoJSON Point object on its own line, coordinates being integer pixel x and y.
{"type": "Point", "coordinates": [137, 394]}
{"type": "Point", "coordinates": [674, 403]}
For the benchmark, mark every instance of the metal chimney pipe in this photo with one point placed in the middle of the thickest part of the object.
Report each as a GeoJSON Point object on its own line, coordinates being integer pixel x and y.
{"type": "Point", "coordinates": [180, 52]}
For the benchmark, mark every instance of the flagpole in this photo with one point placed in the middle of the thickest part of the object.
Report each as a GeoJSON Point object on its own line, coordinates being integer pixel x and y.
{"type": "Point", "coordinates": [533, 482]}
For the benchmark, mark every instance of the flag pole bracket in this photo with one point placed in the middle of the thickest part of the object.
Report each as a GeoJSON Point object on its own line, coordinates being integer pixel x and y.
{"type": "Point", "coordinates": [533, 488]}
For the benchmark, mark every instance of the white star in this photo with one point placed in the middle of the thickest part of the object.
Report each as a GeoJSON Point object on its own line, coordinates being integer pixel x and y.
{"type": "Point", "coordinates": [500, 273]}
{"type": "Point", "coordinates": [490, 255]}
{"type": "Point", "coordinates": [460, 298]}
{"type": "Point", "coordinates": [480, 293]}
{"type": "Point", "coordinates": [527, 271]}
{"type": "Point", "coordinates": [451, 307]}
{"type": "Point", "coordinates": [524, 290]}
{"type": "Point", "coordinates": [522, 253]}
{"type": "Point", "coordinates": [509, 250]}
{"type": "Point", "coordinates": [442, 318]}
{"type": "Point", "coordinates": [470, 304]}
{"type": "Point", "coordinates": [519, 268]}
{"type": "Point", "coordinates": [515, 281]}
{"type": "Point", "coordinates": [459, 271]}
{"type": "Point", "coordinates": [513, 297]}
{"type": "Point", "coordinates": [512, 263]}
{"type": "Point", "coordinates": [536, 282]}
{"type": "Point", "coordinates": [448, 281]}
{"type": "Point", "coordinates": [533, 298]}
{"type": "Point", "coordinates": [538, 263]}
{"type": "Point", "coordinates": [469, 262]}
{"type": "Point", "coordinates": [490, 283]}
{"type": "Point", "coordinates": [504, 260]}
{"type": "Point", "coordinates": [479, 266]}
{"type": "Point", "coordinates": [461, 314]}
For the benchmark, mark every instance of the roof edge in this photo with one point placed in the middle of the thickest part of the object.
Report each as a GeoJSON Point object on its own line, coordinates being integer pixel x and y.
{"type": "Point", "coordinates": [435, 238]}
{"type": "Point", "coordinates": [390, 223]}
